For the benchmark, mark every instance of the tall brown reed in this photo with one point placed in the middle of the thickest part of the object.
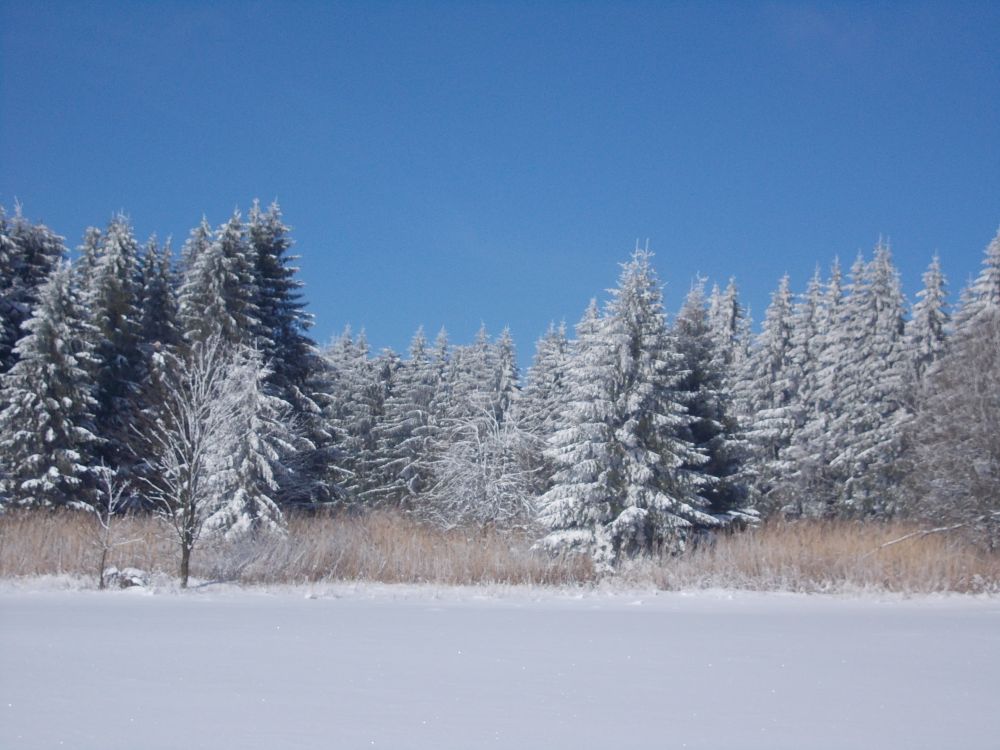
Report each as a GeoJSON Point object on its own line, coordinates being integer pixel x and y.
{"type": "Point", "coordinates": [389, 547]}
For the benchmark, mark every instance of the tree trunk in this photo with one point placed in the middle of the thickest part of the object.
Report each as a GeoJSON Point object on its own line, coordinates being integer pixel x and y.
{"type": "Point", "coordinates": [185, 564]}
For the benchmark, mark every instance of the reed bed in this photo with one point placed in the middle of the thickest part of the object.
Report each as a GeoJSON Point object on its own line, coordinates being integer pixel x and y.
{"type": "Point", "coordinates": [387, 547]}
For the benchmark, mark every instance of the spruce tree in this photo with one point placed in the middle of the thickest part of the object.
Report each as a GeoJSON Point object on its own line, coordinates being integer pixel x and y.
{"type": "Point", "coordinates": [545, 389]}
{"type": "Point", "coordinates": [218, 293]}
{"type": "Point", "coordinates": [714, 429]}
{"type": "Point", "coordinates": [580, 505]}
{"type": "Point", "coordinates": [359, 388]}
{"type": "Point", "coordinates": [47, 440]}
{"type": "Point", "coordinates": [289, 353]}
{"type": "Point", "coordinates": [771, 398]}
{"type": "Point", "coordinates": [926, 332]}
{"type": "Point", "coordinates": [792, 488]}
{"type": "Point", "coordinates": [113, 297]}
{"type": "Point", "coordinates": [407, 433]}
{"type": "Point", "coordinates": [543, 399]}
{"type": "Point", "coordinates": [263, 439]}
{"type": "Point", "coordinates": [623, 485]}
{"type": "Point", "coordinates": [507, 378]}
{"type": "Point", "coordinates": [812, 484]}
{"type": "Point", "coordinates": [869, 409]}
{"type": "Point", "coordinates": [282, 320]}
{"type": "Point", "coordinates": [28, 254]}
{"type": "Point", "coordinates": [982, 297]}
{"type": "Point", "coordinates": [158, 322]}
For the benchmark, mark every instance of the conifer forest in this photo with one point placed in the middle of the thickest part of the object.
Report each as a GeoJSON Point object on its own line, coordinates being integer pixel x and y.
{"type": "Point", "coordinates": [183, 384]}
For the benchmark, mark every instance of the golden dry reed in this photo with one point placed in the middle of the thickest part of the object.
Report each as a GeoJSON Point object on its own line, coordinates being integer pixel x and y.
{"type": "Point", "coordinates": [808, 556]}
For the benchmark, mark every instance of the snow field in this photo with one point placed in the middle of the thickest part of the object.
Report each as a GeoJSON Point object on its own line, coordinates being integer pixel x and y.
{"type": "Point", "coordinates": [412, 667]}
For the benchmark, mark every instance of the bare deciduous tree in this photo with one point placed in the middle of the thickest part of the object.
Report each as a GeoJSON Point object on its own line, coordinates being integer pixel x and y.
{"type": "Point", "coordinates": [955, 474]}
{"type": "Point", "coordinates": [111, 502]}
{"type": "Point", "coordinates": [196, 434]}
{"type": "Point", "coordinates": [484, 475]}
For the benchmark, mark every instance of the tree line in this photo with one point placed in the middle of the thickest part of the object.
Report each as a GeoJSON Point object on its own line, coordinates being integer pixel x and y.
{"type": "Point", "coordinates": [191, 387]}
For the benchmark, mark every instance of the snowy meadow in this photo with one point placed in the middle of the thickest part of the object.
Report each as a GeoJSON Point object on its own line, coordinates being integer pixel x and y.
{"type": "Point", "coordinates": [426, 667]}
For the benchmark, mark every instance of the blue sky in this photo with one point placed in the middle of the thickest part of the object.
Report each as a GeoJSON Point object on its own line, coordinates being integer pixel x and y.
{"type": "Point", "coordinates": [451, 163]}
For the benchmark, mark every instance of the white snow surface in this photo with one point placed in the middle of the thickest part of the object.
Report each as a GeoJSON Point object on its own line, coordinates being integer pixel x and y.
{"type": "Point", "coordinates": [342, 666]}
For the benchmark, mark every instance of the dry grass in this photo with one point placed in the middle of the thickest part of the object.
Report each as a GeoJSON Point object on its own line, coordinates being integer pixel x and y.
{"type": "Point", "coordinates": [814, 556]}
{"type": "Point", "coordinates": [393, 548]}
{"type": "Point", "coordinates": [383, 547]}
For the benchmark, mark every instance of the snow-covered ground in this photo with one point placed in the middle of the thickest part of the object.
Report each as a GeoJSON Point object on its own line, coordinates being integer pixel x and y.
{"type": "Point", "coordinates": [411, 667]}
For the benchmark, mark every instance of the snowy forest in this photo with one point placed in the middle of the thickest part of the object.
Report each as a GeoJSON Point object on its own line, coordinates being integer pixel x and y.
{"type": "Point", "coordinates": [187, 387]}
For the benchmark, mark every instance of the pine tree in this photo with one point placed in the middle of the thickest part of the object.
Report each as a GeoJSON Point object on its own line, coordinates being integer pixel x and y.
{"type": "Point", "coordinates": [47, 442]}
{"type": "Point", "coordinates": [472, 381]}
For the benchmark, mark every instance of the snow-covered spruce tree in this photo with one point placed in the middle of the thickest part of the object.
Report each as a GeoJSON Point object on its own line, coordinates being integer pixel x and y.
{"type": "Point", "coordinates": [471, 382]}
{"type": "Point", "coordinates": [208, 442]}
{"type": "Point", "coordinates": [730, 330]}
{"type": "Point", "coordinates": [982, 298]}
{"type": "Point", "coordinates": [793, 490]}
{"type": "Point", "coordinates": [926, 332]}
{"type": "Point", "coordinates": [159, 326]}
{"type": "Point", "coordinates": [622, 484]}
{"type": "Point", "coordinates": [408, 430]}
{"type": "Point", "coordinates": [482, 467]}
{"type": "Point", "coordinates": [113, 297]}
{"type": "Point", "coordinates": [47, 442]}
{"type": "Point", "coordinates": [714, 428]}
{"type": "Point", "coordinates": [359, 387]}
{"type": "Point", "coordinates": [218, 293]}
{"type": "Point", "coordinates": [282, 320]}
{"type": "Point", "coordinates": [89, 250]}
{"type": "Point", "coordinates": [770, 399]}
{"type": "Point", "coordinates": [545, 391]}
{"type": "Point", "coordinates": [250, 507]}
{"type": "Point", "coordinates": [290, 354]}
{"type": "Point", "coordinates": [28, 254]}
{"type": "Point", "coordinates": [812, 485]}
{"type": "Point", "coordinates": [868, 420]}
{"type": "Point", "coordinates": [580, 506]}
{"type": "Point", "coordinates": [348, 370]}
{"type": "Point", "coordinates": [543, 399]}
{"type": "Point", "coordinates": [507, 376]}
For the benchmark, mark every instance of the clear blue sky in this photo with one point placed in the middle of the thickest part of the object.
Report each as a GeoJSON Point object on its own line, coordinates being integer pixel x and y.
{"type": "Point", "coordinates": [450, 163]}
